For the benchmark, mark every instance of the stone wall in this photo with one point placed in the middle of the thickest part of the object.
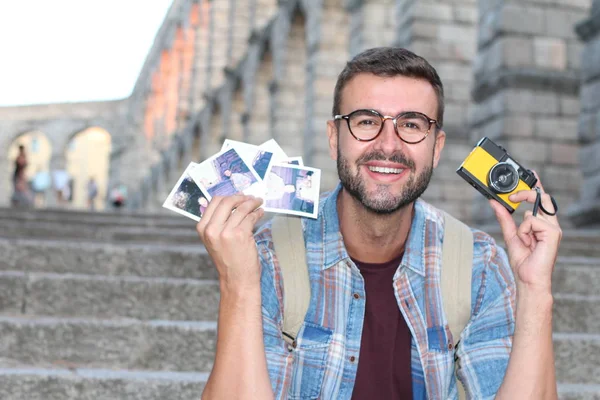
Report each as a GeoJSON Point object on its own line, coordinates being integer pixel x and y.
{"type": "Point", "coordinates": [526, 95]}
{"type": "Point", "coordinates": [256, 69]}
{"type": "Point", "coordinates": [587, 210]}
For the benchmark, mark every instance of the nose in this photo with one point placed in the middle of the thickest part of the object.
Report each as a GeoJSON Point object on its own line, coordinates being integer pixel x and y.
{"type": "Point", "coordinates": [388, 141]}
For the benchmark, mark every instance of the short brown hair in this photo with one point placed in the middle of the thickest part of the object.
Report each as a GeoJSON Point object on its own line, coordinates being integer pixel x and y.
{"type": "Point", "coordinates": [389, 62]}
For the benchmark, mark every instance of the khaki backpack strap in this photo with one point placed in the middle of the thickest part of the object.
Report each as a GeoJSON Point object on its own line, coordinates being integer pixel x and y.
{"type": "Point", "coordinates": [288, 241]}
{"type": "Point", "coordinates": [457, 268]}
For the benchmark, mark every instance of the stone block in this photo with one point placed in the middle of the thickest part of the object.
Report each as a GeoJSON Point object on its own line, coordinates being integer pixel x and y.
{"type": "Point", "coordinates": [556, 128]}
{"type": "Point", "coordinates": [518, 126]}
{"type": "Point", "coordinates": [516, 51]}
{"type": "Point", "coordinates": [425, 30]}
{"type": "Point", "coordinates": [456, 33]}
{"type": "Point", "coordinates": [12, 292]}
{"type": "Point", "coordinates": [574, 313]}
{"type": "Point", "coordinates": [590, 98]}
{"type": "Point", "coordinates": [550, 53]}
{"type": "Point", "coordinates": [522, 18]}
{"type": "Point", "coordinates": [127, 297]}
{"type": "Point", "coordinates": [160, 345]}
{"type": "Point", "coordinates": [528, 101]}
{"type": "Point", "coordinates": [457, 92]}
{"type": "Point", "coordinates": [577, 358]}
{"type": "Point", "coordinates": [561, 179]}
{"type": "Point", "coordinates": [560, 23]}
{"type": "Point", "coordinates": [491, 107]}
{"type": "Point", "coordinates": [564, 154]}
{"type": "Point", "coordinates": [465, 14]}
{"type": "Point", "coordinates": [575, 55]}
{"type": "Point", "coordinates": [454, 72]}
{"type": "Point", "coordinates": [433, 11]}
{"type": "Point", "coordinates": [587, 127]}
{"type": "Point", "coordinates": [590, 62]}
{"type": "Point", "coordinates": [526, 151]}
{"type": "Point", "coordinates": [569, 105]}
{"type": "Point", "coordinates": [590, 161]}
{"type": "Point", "coordinates": [88, 384]}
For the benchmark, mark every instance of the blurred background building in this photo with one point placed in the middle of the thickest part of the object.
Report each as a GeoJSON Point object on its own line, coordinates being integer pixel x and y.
{"type": "Point", "coordinates": [522, 73]}
{"type": "Point", "coordinates": [124, 305]}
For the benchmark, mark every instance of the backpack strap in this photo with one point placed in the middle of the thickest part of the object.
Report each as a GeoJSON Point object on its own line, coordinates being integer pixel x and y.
{"type": "Point", "coordinates": [288, 241]}
{"type": "Point", "coordinates": [457, 268]}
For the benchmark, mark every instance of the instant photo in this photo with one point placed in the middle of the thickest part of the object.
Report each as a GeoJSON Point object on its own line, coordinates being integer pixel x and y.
{"type": "Point", "coordinates": [291, 189]}
{"type": "Point", "coordinates": [225, 174]}
{"type": "Point", "coordinates": [252, 155]}
{"type": "Point", "coordinates": [186, 197]}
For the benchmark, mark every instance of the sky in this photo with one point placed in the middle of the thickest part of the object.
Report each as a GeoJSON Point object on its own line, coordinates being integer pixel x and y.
{"type": "Point", "coordinates": [74, 50]}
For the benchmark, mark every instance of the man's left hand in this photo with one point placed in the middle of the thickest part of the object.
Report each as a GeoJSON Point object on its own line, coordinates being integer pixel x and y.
{"type": "Point", "coordinates": [533, 246]}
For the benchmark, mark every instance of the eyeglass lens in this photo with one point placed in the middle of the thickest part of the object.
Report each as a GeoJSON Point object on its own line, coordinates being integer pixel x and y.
{"type": "Point", "coordinates": [366, 124]}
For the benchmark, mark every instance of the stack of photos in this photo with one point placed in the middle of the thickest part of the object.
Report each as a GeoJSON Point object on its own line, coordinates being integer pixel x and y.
{"type": "Point", "coordinates": [265, 171]}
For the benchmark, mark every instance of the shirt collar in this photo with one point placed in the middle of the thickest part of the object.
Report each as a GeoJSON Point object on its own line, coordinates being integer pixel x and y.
{"type": "Point", "coordinates": [323, 234]}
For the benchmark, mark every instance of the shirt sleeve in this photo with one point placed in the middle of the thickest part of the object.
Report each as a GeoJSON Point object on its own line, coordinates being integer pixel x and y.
{"type": "Point", "coordinates": [486, 341]}
{"type": "Point", "coordinates": [279, 359]}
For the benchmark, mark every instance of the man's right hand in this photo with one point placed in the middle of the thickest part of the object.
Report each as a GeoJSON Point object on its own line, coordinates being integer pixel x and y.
{"type": "Point", "coordinates": [226, 230]}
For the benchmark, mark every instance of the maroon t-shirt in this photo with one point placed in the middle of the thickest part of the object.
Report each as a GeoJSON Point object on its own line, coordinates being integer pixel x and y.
{"type": "Point", "coordinates": [384, 365]}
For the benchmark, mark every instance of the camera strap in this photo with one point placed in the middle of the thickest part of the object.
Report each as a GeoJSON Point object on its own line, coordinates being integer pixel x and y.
{"type": "Point", "coordinates": [537, 205]}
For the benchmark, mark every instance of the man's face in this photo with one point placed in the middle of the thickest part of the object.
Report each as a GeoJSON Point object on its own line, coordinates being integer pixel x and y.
{"type": "Point", "coordinates": [385, 174]}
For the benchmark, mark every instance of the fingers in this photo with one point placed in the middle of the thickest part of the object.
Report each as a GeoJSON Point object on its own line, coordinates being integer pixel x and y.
{"type": "Point", "coordinates": [530, 196]}
{"type": "Point", "coordinates": [228, 212]}
{"type": "Point", "coordinates": [507, 224]}
{"type": "Point", "coordinates": [243, 211]}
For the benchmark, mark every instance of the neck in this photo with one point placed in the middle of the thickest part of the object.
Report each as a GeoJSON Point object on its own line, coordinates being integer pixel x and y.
{"type": "Point", "coordinates": [372, 237]}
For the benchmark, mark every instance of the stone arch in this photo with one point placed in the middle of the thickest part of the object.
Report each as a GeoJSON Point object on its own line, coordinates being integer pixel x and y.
{"type": "Point", "coordinates": [289, 91]}
{"type": "Point", "coordinates": [38, 149]}
{"type": "Point", "coordinates": [87, 155]}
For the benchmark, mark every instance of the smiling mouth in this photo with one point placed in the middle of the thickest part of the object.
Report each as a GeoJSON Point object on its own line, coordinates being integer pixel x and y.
{"type": "Point", "coordinates": [385, 170]}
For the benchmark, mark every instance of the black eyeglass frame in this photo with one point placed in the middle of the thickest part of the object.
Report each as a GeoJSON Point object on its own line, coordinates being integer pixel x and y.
{"type": "Point", "coordinates": [383, 119]}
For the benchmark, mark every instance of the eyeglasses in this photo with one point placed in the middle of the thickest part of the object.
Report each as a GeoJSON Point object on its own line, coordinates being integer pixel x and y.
{"type": "Point", "coordinates": [411, 126]}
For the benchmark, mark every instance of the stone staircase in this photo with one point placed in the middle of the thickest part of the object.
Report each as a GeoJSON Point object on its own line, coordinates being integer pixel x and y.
{"type": "Point", "coordinates": [124, 306]}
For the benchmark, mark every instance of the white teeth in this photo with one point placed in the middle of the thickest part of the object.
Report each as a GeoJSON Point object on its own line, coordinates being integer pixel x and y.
{"type": "Point", "coordinates": [385, 170]}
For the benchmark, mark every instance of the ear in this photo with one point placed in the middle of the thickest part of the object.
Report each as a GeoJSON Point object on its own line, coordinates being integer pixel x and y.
{"type": "Point", "coordinates": [440, 140]}
{"type": "Point", "coordinates": [332, 132]}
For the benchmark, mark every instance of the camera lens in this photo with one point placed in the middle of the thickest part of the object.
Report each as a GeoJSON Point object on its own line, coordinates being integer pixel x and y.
{"type": "Point", "coordinates": [503, 178]}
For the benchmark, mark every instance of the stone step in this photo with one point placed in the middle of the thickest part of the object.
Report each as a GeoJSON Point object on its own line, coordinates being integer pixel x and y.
{"type": "Point", "coordinates": [94, 296]}
{"type": "Point", "coordinates": [174, 261]}
{"type": "Point", "coordinates": [98, 384]}
{"type": "Point", "coordinates": [161, 218]}
{"type": "Point", "coordinates": [576, 313]}
{"type": "Point", "coordinates": [107, 233]}
{"type": "Point", "coordinates": [577, 275]}
{"type": "Point", "coordinates": [107, 344]}
{"type": "Point", "coordinates": [577, 243]}
{"type": "Point", "coordinates": [577, 358]}
{"type": "Point", "coordinates": [578, 392]}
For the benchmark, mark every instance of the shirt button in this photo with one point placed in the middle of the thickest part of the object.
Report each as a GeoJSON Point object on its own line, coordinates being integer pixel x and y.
{"type": "Point", "coordinates": [356, 296]}
{"type": "Point", "coordinates": [352, 359]}
{"type": "Point", "coordinates": [450, 346]}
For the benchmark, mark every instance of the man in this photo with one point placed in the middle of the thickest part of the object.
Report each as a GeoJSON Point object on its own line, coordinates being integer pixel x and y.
{"type": "Point", "coordinates": [375, 243]}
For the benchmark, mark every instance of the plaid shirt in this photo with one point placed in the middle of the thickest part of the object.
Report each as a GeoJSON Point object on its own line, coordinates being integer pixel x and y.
{"type": "Point", "coordinates": [323, 365]}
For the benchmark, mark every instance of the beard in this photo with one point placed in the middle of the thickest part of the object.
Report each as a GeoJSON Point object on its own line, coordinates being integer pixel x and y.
{"type": "Point", "coordinates": [383, 201]}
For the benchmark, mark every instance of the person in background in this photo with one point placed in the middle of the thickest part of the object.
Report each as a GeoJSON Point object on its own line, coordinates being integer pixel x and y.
{"type": "Point", "coordinates": [21, 196]}
{"type": "Point", "coordinates": [92, 193]}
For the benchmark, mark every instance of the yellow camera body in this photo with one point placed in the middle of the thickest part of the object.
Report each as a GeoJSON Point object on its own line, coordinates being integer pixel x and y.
{"type": "Point", "coordinates": [495, 174]}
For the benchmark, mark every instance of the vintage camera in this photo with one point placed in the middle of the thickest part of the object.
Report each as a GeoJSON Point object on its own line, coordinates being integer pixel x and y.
{"type": "Point", "coordinates": [495, 174]}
